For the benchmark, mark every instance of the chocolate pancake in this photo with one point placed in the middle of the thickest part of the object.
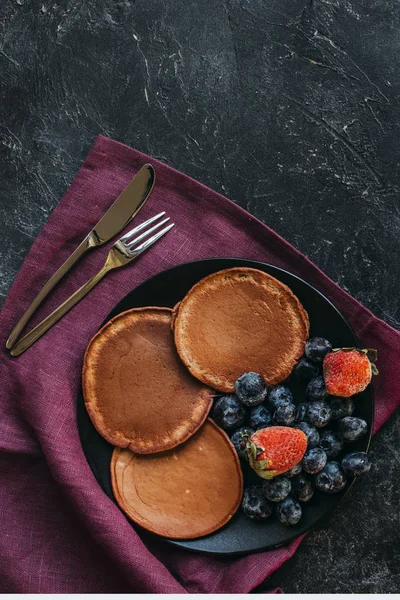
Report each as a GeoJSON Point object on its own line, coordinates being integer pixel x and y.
{"type": "Point", "coordinates": [137, 391]}
{"type": "Point", "coordinates": [184, 493]}
{"type": "Point", "coordinates": [240, 320]}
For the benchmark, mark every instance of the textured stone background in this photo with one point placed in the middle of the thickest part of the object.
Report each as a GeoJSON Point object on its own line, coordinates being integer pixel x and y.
{"type": "Point", "coordinates": [288, 107]}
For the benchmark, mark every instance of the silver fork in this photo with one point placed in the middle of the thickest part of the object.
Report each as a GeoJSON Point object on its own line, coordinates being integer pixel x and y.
{"type": "Point", "coordinates": [122, 252]}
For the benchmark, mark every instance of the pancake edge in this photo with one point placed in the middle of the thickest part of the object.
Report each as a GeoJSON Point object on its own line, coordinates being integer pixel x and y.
{"type": "Point", "coordinates": [212, 380]}
{"type": "Point", "coordinates": [90, 404]}
{"type": "Point", "coordinates": [132, 516]}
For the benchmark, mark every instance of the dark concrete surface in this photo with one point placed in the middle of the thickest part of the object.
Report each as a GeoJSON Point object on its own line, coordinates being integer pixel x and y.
{"type": "Point", "coordinates": [288, 107]}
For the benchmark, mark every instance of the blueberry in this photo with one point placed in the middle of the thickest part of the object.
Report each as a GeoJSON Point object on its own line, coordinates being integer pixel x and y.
{"type": "Point", "coordinates": [278, 395]}
{"type": "Point", "coordinates": [260, 417]}
{"type": "Point", "coordinates": [277, 489]}
{"type": "Point", "coordinates": [316, 389]}
{"type": "Point", "coordinates": [331, 443]}
{"type": "Point", "coordinates": [302, 488]}
{"type": "Point", "coordinates": [341, 407]}
{"type": "Point", "coordinates": [356, 463]}
{"type": "Point", "coordinates": [314, 460]}
{"type": "Point", "coordinates": [331, 479]}
{"type": "Point", "coordinates": [317, 348]}
{"type": "Point", "coordinates": [254, 503]}
{"type": "Point", "coordinates": [301, 412]}
{"type": "Point", "coordinates": [251, 389]}
{"type": "Point", "coordinates": [352, 428]}
{"type": "Point", "coordinates": [305, 369]}
{"type": "Point", "coordinates": [289, 511]}
{"type": "Point", "coordinates": [294, 470]}
{"type": "Point", "coordinates": [318, 414]}
{"type": "Point", "coordinates": [311, 433]}
{"type": "Point", "coordinates": [285, 414]}
{"type": "Point", "coordinates": [228, 412]}
{"type": "Point", "coordinates": [239, 439]}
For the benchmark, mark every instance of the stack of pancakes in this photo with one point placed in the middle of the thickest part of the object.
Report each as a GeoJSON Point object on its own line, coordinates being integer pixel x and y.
{"type": "Point", "coordinates": [149, 377]}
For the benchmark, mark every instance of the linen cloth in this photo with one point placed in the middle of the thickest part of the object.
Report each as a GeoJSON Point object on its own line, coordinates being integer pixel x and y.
{"type": "Point", "coordinates": [59, 532]}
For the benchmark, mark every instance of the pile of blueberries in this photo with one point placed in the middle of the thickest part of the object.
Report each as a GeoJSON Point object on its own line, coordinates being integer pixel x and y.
{"type": "Point", "coordinates": [255, 406]}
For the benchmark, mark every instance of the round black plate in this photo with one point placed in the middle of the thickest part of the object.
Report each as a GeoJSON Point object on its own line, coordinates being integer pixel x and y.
{"type": "Point", "coordinates": [241, 535]}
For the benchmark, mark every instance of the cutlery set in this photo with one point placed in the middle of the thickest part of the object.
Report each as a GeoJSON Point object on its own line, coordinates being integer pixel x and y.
{"type": "Point", "coordinates": [124, 251]}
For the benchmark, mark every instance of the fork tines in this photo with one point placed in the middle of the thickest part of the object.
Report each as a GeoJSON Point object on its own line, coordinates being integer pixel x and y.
{"type": "Point", "coordinates": [132, 244]}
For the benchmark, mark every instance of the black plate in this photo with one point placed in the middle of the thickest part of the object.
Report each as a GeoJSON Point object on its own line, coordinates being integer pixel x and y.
{"type": "Point", "coordinates": [241, 535]}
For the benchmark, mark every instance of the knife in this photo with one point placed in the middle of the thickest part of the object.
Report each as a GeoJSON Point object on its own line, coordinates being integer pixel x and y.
{"type": "Point", "coordinates": [120, 213]}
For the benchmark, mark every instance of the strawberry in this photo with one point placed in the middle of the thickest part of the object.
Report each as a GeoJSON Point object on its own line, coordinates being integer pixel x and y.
{"type": "Point", "coordinates": [275, 450]}
{"type": "Point", "coordinates": [348, 371]}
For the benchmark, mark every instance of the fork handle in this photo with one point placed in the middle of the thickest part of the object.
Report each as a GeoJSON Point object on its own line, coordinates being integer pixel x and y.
{"type": "Point", "coordinates": [88, 242]}
{"type": "Point", "coordinates": [35, 333]}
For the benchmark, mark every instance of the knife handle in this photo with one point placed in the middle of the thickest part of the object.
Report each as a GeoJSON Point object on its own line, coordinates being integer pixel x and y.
{"type": "Point", "coordinates": [37, 332]}
{"type": "Point", "coordinates": [89, 242]}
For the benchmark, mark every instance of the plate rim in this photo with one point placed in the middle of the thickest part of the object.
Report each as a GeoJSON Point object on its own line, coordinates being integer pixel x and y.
{"type": "Point", "coordinates": [320, 520]}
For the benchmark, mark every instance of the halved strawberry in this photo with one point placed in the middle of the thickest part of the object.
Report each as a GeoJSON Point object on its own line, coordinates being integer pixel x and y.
{"type": "Point", "coordinates": [275, 450]}
{"type": "Point", "coordinates": [348, 371]}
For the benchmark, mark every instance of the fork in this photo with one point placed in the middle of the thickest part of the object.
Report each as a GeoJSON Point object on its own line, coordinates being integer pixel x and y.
{"type": "Point", "coordinates": [121, 253]}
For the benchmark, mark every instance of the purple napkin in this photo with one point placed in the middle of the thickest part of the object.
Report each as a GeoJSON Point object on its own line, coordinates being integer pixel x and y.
{"type": "Point", "coordinates": [60, 532]}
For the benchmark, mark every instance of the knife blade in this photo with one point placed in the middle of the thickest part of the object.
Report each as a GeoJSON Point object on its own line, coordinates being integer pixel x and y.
{"type": "Point", "coordinates": [126, 206]}
{"type": "Point", "coordinates": [120, 213]}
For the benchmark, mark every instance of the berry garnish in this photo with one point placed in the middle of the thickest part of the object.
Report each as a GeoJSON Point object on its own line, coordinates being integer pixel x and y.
{"type": "Point", "coordinates": [314, 460]}
{"type": "Point", "coordinates": [277, 489]}
{"type": "Point", "coordinates": [316, 389]}
{"type": "Point", "coordinates": [331, 443]}
{"type": "Point", "coordinates": [285, 414]}
{"type": "Point", "coordinates": [311, 434]}
{"type": "Point", "coordinates": [352, 428]}
{"type": "Point", "coordinates": [302, 488]}
{"type": "Point", "coordinates": [348, 371]}
{"type": "Point", "coordinates": [318, 414]}
{"type": "Point", "coordinates": [306, 369]}
{"type": "Point", "coordinates": [356, 463]}
{"type": "Point", "coordinates": [239, 440]}
{"type": "Point", "coordinates": [228, 412]}
{"type": "Point", "coordinates": [260, 417]}
{"type": "Point", "coordinates": [331, 479]}
{"type": "Point", "coordinates": [251, 389]}
{"type": "Point", "coordinates": [289, 511]}
{"type": "Point", "coordinates": [301, 412]}
{"type": "Point", "coordinates": [278, 395]}
{"type": "Point", "coordinates": [317, 348]}
{"type": "Point", "coordinates": [254, 503]}
{"type": "Point", "coordinates": [294, 470]}
{"type": "Point", "coordinates": [274, 450]}
{"type": "Point", "coordinates": [341, 407]}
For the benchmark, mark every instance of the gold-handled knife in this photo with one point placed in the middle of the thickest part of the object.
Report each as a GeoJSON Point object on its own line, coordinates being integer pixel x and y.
{"type": "Point", "coordinates": [125, 207]}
